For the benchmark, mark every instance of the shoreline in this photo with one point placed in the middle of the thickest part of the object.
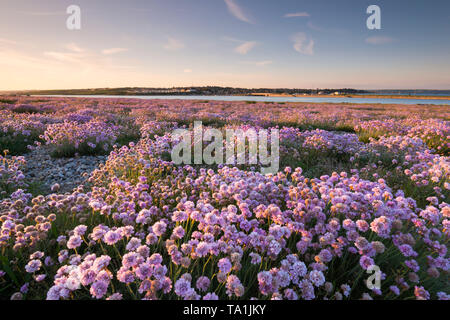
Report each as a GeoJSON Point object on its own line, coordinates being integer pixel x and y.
{"type": "Point", "coordinates": [272, 98]}
{"type": "Point", "coordinates": [272, 95]}
{"type": "Point", "coordinates": [365, 96]}
{"type": "Point", "coordinates": [277, 99]}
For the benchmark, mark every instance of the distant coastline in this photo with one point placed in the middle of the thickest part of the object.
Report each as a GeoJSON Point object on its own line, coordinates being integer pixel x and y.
{"type": "Point", "coordinates": [229, 91]}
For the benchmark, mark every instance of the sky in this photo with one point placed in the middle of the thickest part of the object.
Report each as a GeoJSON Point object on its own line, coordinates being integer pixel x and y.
{"type": "Point", "coordinates": [238, 43]}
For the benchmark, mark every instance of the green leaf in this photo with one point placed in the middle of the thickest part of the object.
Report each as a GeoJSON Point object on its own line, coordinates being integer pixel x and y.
{"type": "Point", "coordinates": [8, 270]}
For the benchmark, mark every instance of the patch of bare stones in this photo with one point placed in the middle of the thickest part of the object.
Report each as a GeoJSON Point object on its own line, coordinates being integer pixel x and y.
{"type": "Point", "coordinates": [67, 173]}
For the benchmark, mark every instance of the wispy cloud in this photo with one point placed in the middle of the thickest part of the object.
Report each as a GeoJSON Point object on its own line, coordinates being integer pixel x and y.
{"type": "Point", "coordinates": [74, 47]}
{"type": "Point", "coordinates": [114, 50]}
{"type": "Point", "coordinates": [173, 44]}
{"type": "Point", "coordinates": [17, 59]}
{"type": "Point", "coordinates": [66, 57]}
{"type": "Point", "coordinates": [187, 70]}
{"type": "Point", "coordinates": [245, 47]}
{"type": "Point", "coordinates": [296, 14]}
{"type": "Point", "coordinates": [31, 70]}
{"type": "Point", "coordinates": [258, 63]}
{"type": "Point", "coordinates": [303, 44]}
{"type": "Point", "coordinates": [237, 11]}
{"type": "Point", "coordinates": [80, 58]}
{"type": "Point", "coordinates": [7, 41]}
{"type": "Point", "coordinates": [75, 55]}
{"type": "Point", "coordinates": [378, 40]}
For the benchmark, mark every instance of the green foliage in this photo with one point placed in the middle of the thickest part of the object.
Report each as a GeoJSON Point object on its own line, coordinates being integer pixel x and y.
{"type": "Point", "coordinates": [17, 144]}
{"type": "Point", "coordinates": [68, 150]}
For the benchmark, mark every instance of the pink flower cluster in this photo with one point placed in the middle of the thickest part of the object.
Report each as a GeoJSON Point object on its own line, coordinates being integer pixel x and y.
{"type": "Point", "coordinates": [145, 228]}
{"type": "Point", "coordinates": [11, 175]}
{"type": "Point", "coordinates": [93, 136]}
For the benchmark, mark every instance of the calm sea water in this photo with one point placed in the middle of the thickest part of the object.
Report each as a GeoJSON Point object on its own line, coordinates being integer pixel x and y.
{"type": "Point", "coordinates": [274, 99]}
{"type": "Point", "coordinates": [413, 94]}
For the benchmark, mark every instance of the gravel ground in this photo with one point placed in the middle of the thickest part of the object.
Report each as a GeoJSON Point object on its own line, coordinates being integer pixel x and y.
{"type": "Point", "coordinates": [45, 171]}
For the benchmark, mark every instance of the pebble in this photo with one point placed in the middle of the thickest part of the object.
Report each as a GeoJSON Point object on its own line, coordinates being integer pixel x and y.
{"type": "Point", "coordinates": [66, 173]}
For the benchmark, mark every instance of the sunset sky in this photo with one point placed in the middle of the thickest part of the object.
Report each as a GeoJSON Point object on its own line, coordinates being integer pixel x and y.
{"type": "Point", "coordinates": [240, 43]}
